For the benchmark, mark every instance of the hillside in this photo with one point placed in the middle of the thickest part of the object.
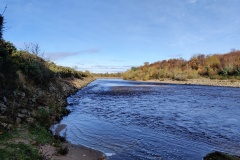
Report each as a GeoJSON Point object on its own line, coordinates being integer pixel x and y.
{"type": "Point", "coordinates": [33, 95]}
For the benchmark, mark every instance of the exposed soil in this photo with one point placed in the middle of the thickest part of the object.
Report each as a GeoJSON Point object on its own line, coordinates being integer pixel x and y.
{"type": "Point", "coordinates": [74, 153]}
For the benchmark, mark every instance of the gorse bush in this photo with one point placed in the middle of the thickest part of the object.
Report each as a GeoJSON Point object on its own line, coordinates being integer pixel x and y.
{"type": "Point", "coordinates": [33, 67]}
{"type": "Point", "coordinates": [66, 72]}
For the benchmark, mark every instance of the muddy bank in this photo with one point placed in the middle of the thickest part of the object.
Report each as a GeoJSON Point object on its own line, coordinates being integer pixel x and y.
{"type": "Point", "coordinates": [74, 152]}
{"type": "Point", "coordinates": [202, 81]}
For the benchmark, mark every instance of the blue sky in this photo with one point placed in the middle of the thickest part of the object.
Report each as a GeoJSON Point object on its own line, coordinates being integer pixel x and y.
{"type": "Point", "coordinates": [114, 35]}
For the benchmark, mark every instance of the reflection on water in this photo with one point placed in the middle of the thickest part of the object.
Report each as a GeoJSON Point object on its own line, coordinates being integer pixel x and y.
{"type": "Point", "coordinates": [138, 120]}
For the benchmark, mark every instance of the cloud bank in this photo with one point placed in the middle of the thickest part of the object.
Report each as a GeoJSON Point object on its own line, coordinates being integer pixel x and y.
{"type": "Point", "coordinates": [62, 55]}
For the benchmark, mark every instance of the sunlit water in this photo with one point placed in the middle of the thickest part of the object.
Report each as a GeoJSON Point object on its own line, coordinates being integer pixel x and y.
{"type": "Point", "coordinates": [152, 121]}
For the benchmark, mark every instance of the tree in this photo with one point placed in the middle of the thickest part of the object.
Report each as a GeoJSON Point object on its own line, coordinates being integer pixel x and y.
{"type": "Point", "coordinates": [33, 48]}
{"type": "Point", "coordinates": [1, 23]}
{"type": "Point", "coordinates": [1, 26]}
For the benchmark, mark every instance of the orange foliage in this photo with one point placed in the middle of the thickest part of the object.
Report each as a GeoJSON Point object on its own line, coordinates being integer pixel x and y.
{"type": "Point", "coordinates": [223, 65]}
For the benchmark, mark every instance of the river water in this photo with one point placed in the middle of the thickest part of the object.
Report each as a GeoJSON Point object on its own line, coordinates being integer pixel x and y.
{"type": "Point", "coordinates": [153, 121]}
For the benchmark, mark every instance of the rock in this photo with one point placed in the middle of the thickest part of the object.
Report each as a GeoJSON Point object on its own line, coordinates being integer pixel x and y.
{"type": "Point", "coordinates": [40, 93]}
{"type": "Point", "coordinates": [4, 125]}
{"type": "Point", "coordinates": [21, 115]}
{"type": "Point", "coordinates": [9, 127]}
{"type": "Point", "coordinates": [34, 143]}
{"type": "Point", "coordinates": [18, 120]}
{"type": "Point", "coordinates": [4, 99]}
{"type": "Point", "coordinates": [33, 100]}
{"type": "Point", "coordinates": [219, 155]}
{"type": "Point", "coordinates": [23, 94]}
{"type": "Point", "coordinates": [16, 104]}
{"type": "Point", "coordinates": [3, 108]}
{"type": "Point", "coordinates": [51, 88]}
{"type": "Point", "coordinates": [30, 120]}
{"type": "Point", "coordinates": [25, 111]}
{"type": "Point", "coordinates": [4, 119]}
{"type": "Point", "coordinates": [25, 87]}
{"type": "Point", "coordinates": [42, 101]}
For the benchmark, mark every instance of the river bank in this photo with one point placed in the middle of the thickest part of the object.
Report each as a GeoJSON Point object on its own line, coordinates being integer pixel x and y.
{"type": "Point", "coordinates": [202, 81]}
{"type": "Point", "coordinates": [74, 152]}
{"type": "Point", "coordinates": [26, 133]}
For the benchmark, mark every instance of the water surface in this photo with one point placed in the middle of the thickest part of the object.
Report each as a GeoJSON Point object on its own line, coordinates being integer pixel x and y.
{"type": "Point", "coordinates": [153, 121]}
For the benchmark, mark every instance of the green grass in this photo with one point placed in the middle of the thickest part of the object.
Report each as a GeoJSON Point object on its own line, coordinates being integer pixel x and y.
{"type": "Point", "coordinates": [41, 135]}
{"type": "Point", "coordinates": [11, 149]}
{"type": "Point", "coordinates": [24, 141]}
{"type": "Point", "coordinates": [19, 151]}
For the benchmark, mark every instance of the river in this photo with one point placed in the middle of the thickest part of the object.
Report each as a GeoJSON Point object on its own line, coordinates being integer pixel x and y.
{"type": "Point", "coordinates": [130, 120]}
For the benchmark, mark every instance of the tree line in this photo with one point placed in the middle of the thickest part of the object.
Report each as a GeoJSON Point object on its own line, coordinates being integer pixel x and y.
{"type": "Point", "coordinates": [215, 66]}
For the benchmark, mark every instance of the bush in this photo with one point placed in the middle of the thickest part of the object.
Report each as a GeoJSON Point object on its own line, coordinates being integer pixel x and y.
{"type": "Point", "coordinates": [63, 150]}
{"type": "Point", "coordinates": [33, 67]}
{"type": "Point", "coordinates": [7, 67]}
{"type": "Point", "coordinates": [43, 117]}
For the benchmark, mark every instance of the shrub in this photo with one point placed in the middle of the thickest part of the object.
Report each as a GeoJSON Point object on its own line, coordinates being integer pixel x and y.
{"type": "Point", "coordinates": [63, 150]}
{"type": "Point", "coordinates": [33, 67]}
{"type": "Point", "coordinates": [43, 117]}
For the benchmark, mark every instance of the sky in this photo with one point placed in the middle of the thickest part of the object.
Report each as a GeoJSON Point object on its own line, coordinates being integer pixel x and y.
{"type": "Point", "coordinates": [114, 35]}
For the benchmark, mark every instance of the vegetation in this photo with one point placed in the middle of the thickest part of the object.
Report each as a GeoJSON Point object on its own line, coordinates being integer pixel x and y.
{"type": "Point", "coordinates": [216, 66]}
{"type": "Point", "coordinates": [1, 26]}
{"type": "Point", "coordinates": [32, 97]}
{"type": "Point", "coordinates": [24, 127]}
{"type": "Point", "coordinates": [107, 75]}
{"type": "Point", "coordinates": [220, 156]}
{"type": "Point", "coordinates": [63, 150]}
{"type": "Point", "coordinates": [22, 142]}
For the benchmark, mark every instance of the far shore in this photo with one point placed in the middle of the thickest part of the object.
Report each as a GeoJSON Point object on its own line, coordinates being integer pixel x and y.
{"type": "Point", "coordinates": [202, 81]}
{"type": "Point", "coordinates": [198, 81]}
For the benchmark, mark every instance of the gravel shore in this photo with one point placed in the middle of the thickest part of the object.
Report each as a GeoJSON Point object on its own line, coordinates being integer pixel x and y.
{"type": "Point", "coordinates": [202, 81]}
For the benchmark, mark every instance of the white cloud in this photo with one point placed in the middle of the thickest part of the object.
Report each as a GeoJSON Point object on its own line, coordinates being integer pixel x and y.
{"type": "Point", "coordinates": [61, 55]}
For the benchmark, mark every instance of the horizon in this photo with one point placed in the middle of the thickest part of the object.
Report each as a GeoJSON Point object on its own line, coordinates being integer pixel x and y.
{"type": "Point", "coordinates": [113, 36]}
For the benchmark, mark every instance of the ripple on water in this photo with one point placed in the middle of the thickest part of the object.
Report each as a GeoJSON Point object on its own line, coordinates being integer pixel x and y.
{"type": "Point", "coordinates": [138, 120]}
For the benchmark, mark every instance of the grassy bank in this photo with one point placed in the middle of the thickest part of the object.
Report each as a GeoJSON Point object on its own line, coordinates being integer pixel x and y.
{"type": "Point", "coordinates": [23, 142]}
{"type": "Point", "coordinates": [33, 95]}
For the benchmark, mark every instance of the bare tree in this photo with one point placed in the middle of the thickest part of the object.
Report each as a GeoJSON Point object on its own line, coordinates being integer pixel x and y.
{"type": "Point", "coordinates": [33, 48]}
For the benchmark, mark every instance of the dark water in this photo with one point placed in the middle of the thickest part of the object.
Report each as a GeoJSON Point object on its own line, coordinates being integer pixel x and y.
{"type": "Point", "coordinates": [153, 121]}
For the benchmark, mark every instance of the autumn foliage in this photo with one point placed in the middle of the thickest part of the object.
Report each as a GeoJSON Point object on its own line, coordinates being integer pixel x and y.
{"type": "Point", "coordinates": [216, 66]}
